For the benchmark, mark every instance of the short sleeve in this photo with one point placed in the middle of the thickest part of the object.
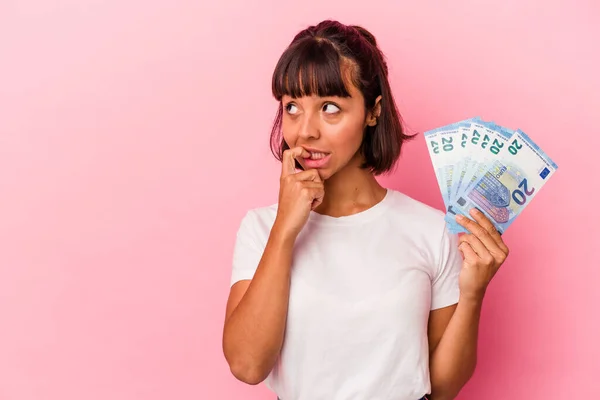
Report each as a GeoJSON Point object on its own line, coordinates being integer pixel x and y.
{"type": "Point", "coordinates": [246, 253]}
{"type": "Point", "coordinates": [444, 289]}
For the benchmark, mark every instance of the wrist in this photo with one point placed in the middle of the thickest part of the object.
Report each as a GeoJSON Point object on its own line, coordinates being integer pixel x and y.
{"type": "Point", "coordinates": [472, 299]}
{"type": "Point", "coordinates": [281, 234]}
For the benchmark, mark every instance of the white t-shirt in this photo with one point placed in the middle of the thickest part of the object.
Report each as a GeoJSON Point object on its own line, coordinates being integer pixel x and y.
{"type": "Point", "coordinates": [362, 287]}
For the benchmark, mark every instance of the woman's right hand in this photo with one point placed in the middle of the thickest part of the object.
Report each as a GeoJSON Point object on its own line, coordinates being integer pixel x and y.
{"type": "Point", "coordinates": [299, 193]}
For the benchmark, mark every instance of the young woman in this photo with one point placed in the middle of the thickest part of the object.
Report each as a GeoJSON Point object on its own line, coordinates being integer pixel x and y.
{"type": "Point", "coordinates": [345, 289]}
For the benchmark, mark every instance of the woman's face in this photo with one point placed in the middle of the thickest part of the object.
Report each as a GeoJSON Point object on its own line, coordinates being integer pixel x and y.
{"type": "Point", "coordinates": [330, 128]}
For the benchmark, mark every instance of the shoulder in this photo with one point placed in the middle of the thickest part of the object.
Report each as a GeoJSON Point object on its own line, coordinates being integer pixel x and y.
{"type": "Point", "coordinates": [261, 214]}
{"type": "Point", "coordinates": [422, 225]}
{"type": "Point", "coordinates": [257, 222]}
{"type": "Point", "coordinates": [426, 229]}
{"type": "Point", "coordinates": [419, 217]}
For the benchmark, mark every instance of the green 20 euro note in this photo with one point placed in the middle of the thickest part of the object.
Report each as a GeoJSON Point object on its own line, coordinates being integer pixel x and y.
{"type": "Point", "coordinates": [482, 165]}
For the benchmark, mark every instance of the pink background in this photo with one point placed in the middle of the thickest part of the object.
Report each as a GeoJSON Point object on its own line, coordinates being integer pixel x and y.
{"type": "Point", "coordinates": [134, 136]}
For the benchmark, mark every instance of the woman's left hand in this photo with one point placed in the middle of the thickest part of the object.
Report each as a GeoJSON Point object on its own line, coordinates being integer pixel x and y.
{"type": "Point", "coordinates": [483, 252]}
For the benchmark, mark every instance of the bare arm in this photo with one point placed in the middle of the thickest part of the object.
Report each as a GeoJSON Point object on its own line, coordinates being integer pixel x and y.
{"type": "Point", "coordinates": [453, 360]}
{"type": "Point", "coordinates": [454, 357]}
{"type": "Point", "coordinates": [257, 309]}
{"type": "Point", "coordinates": [256, 313]}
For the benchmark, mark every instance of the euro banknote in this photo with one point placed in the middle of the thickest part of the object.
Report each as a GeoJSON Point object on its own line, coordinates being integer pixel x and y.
{"type": "Point", "coordinates": [444, 151]}
{"type": "Point", "coordinates": [480, 164]}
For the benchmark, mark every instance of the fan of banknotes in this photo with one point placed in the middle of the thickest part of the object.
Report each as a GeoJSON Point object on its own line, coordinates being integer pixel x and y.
{"type": "Point", "coordinates": [480, 164]}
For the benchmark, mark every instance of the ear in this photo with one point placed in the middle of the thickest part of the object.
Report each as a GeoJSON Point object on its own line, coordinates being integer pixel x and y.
{"type": "Point", "coordinates": [375, 112]}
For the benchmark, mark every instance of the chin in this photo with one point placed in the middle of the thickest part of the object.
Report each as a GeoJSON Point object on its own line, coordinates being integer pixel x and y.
{"type": "Point", "coordinates": [326, 173]}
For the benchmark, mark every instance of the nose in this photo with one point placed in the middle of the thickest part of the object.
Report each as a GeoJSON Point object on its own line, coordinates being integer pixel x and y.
{"type": "Point", "coordinates": [309, 126]}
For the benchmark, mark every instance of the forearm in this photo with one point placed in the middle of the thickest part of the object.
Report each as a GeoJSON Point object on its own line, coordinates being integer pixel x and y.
{"type": "Point", "coordinates": [253, 334]}
{"type": "Point", "coordinates": [453, 361]}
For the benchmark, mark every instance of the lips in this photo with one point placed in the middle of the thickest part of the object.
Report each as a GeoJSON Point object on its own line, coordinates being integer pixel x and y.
{"type": "Point", "coordinates": [317, 158]}
{"type": "Point", "coordinates": [316, 154]}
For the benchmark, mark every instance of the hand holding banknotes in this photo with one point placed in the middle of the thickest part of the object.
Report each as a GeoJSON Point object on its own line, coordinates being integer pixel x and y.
{"type": "Point", "coordinates": [487, 175]}
{"type": "Point", "coordinates": [483, 251]}
{"type": "Point", "coordinates": [480, 164]}
{"type": "Point", "coordinates": [299, 193]}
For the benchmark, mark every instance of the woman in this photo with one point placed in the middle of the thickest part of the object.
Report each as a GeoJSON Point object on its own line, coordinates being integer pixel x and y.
{"type": "Point", "coordinates": [345, 289]}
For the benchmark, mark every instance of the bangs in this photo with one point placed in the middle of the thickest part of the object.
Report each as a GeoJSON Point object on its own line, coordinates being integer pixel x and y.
{"type": "Point", "coordinates": [311, 67]}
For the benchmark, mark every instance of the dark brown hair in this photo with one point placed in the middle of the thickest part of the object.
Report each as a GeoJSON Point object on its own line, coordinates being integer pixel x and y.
{"type": "Point", "coordinates": [313, 65]}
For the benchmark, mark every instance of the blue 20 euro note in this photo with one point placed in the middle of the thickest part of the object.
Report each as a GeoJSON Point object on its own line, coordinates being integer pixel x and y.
{"type": "Point", "coordinates": [446, 146]}
{"type": "Point", "coordinates": [497, 170]}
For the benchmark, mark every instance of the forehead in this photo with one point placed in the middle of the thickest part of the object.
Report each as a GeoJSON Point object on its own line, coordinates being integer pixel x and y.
{"type": "Point", "coordinates": [354, 95]}
{"type": "Point", "coordinates": [314, 68]}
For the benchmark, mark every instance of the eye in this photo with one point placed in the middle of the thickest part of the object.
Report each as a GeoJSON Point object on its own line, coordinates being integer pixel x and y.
{"type": "Point", "coordinates": [291, 108]}
{"type": "Point", "coordinates": [331, 108]}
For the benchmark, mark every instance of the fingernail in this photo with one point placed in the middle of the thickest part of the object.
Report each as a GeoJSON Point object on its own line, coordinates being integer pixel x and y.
{"type": "Point", "coordinates": [460, 217]}
{"type": "Point", "coordinates": [475, 211]}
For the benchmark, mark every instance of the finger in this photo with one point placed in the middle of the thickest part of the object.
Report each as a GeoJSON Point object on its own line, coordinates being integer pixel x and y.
{"type": "Point", "coordinates": [481, 234]}
{"type": "Point", "coordinates": [309, 175]}
{"type": "Point", "coordinates": [468, 253]}
{"type": "Point", "coordinates": [485, 222]}
{"type": "Point", "coordinates": [317, 176]}
{"type": "Point", "coordinates": [478, 247]}
{"type": "Point", "coordinates": [313, 185]}
{"type": "Point", "coordinates": [288, 162]}
{"type": "Point", "coordinates": [314, 192]}
{"type": "Point", "coordinates": [319, 194]}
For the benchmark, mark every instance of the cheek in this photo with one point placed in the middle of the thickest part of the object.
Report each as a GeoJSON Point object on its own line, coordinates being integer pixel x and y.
{"type": "Point", "coordinates": [289, 133]}
{"type": "Point", "coordinates": [347, 137]}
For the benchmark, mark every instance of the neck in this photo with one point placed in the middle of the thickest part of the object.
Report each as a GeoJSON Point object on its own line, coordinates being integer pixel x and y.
{"type": "Point", "coordinates": [349, 191]}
